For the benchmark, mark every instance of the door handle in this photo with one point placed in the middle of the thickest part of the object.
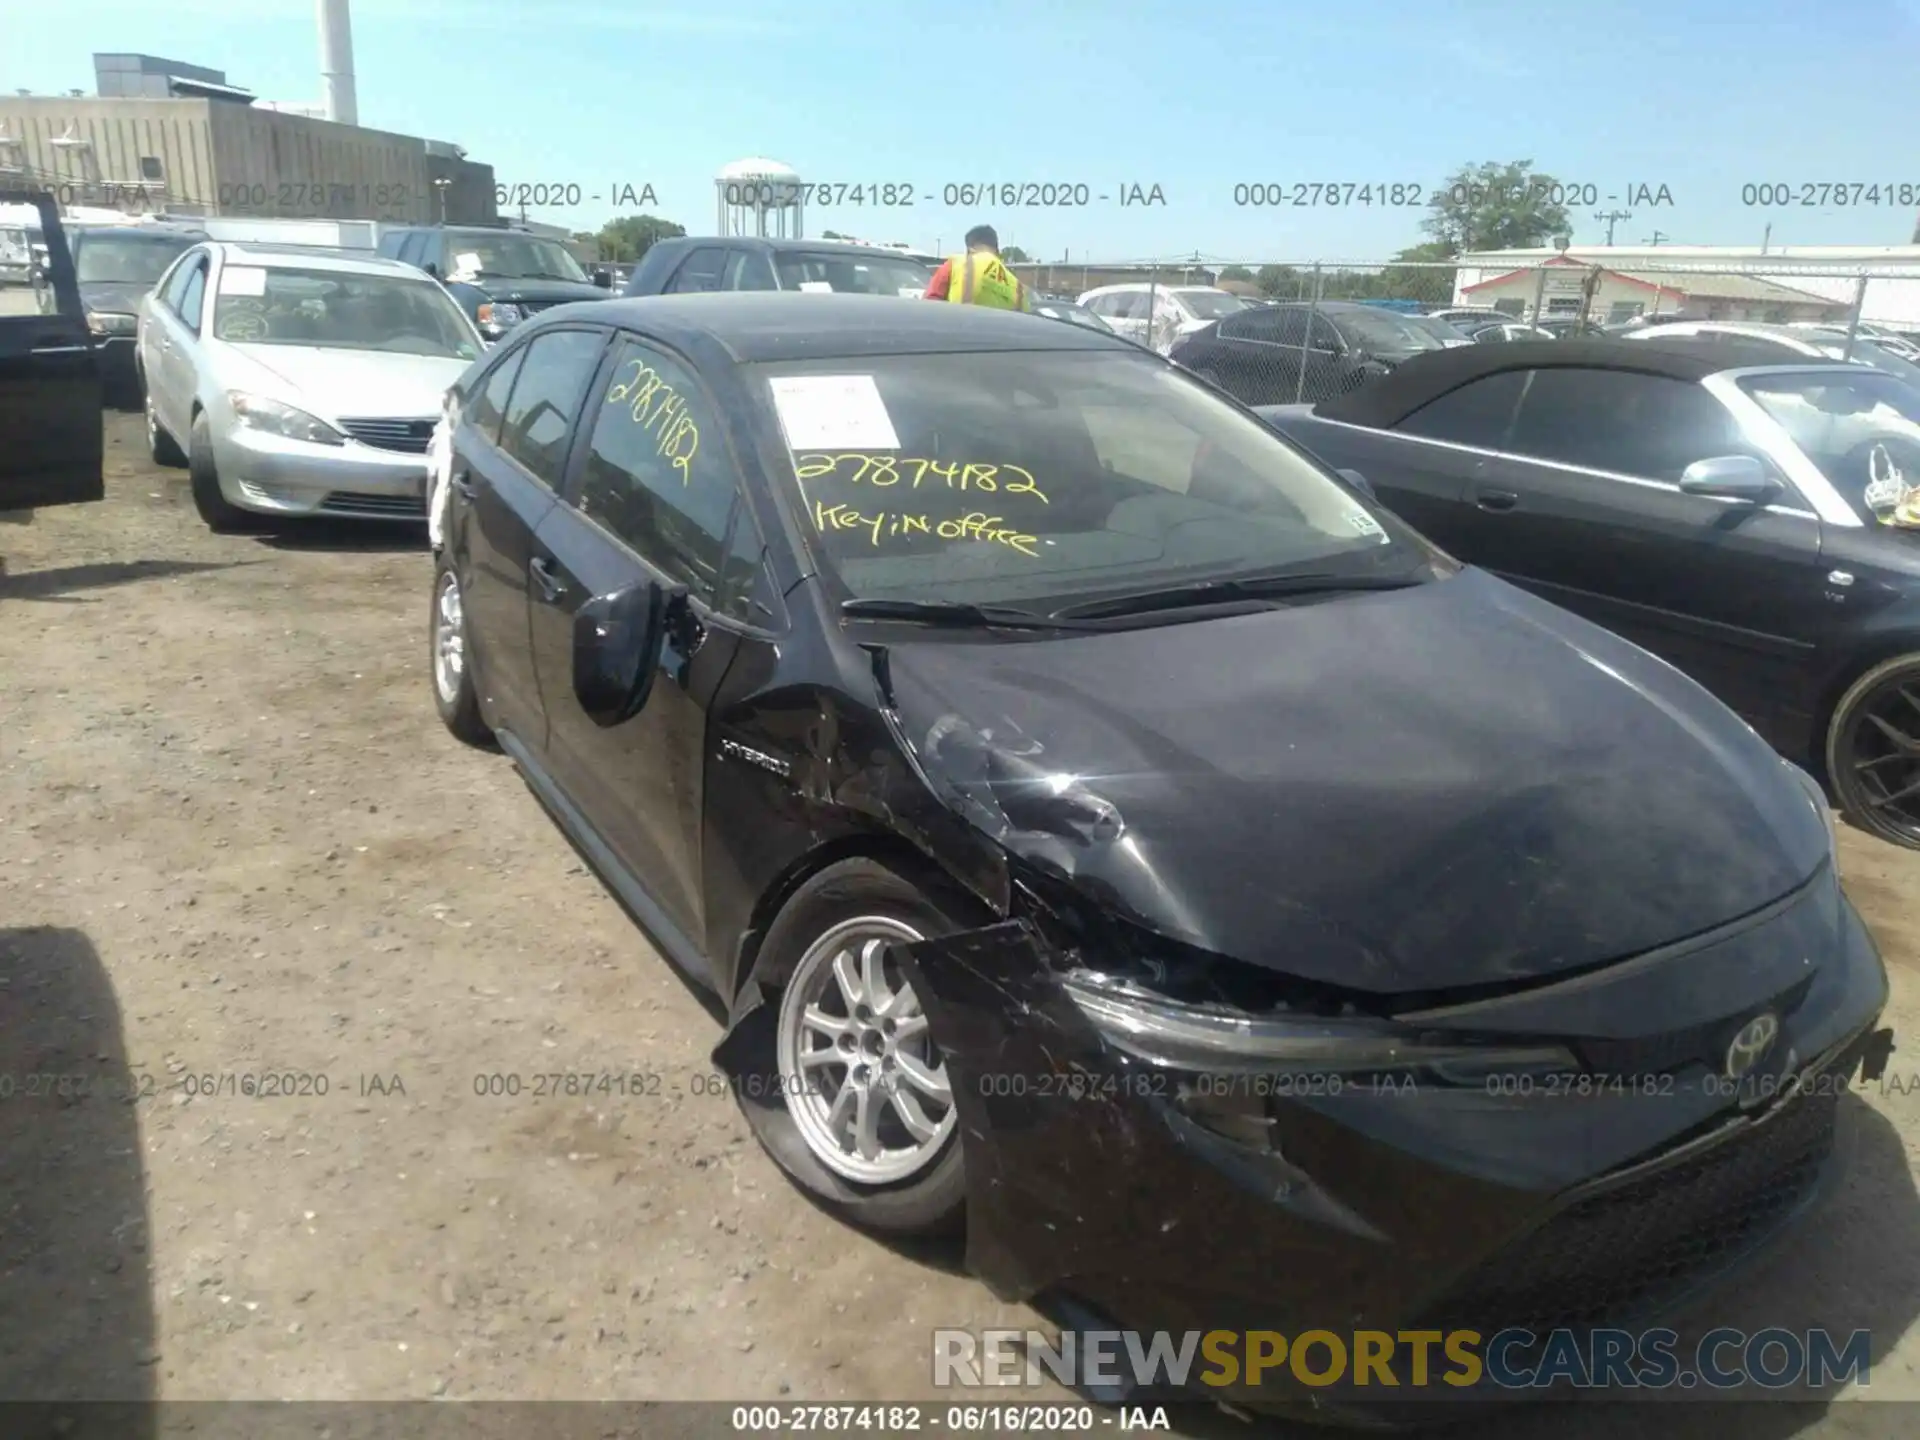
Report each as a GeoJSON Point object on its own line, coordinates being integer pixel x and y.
{"type": "Point", "coordinates": [543, 576]}
{"type": "Point", "coordinates": [1496, 500]}
{"type": "Point", "coordinates": [461, 483]}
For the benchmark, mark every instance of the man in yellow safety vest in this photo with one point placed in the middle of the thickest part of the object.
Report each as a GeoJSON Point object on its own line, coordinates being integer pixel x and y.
{"type": "Point", "coordinates": [980, 277]}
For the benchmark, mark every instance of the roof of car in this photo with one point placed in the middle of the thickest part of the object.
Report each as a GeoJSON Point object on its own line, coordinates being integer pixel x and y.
{"type": "Point", "coordinates": [780, 243]}
{"type": "Point", "coordinates": [1426, 377]}
{"type": "Point", "coordinates": [755, 325]}
{"type": "Point", "coordinates": [311, 257]}
{"type": "Point", "coordinates": [176, 232]}
{"type": "Point", "coordinates": [1148, 285]}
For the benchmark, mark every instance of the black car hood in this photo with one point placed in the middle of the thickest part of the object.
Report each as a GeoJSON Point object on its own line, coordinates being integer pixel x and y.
{"type": "Point", "coordinates": [113, 297]}
{"type": "Point", "coordinates": [1449, 786]}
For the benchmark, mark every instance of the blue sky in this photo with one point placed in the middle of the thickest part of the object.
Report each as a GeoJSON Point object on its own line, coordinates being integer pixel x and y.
{"type": "Point", "coordinates": [1701, 96]}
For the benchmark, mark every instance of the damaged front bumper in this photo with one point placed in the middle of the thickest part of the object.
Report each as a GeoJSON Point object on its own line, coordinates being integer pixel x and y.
{"type": "Point", "coordinates": [1154, 1197]}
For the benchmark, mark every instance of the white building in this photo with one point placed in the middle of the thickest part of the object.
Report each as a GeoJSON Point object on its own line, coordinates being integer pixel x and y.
{"type": "Point", "coordinates": [1726, 281]}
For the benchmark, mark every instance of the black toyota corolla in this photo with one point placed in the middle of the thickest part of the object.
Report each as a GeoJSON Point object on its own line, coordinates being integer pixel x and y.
{"type": "Point", "coordinates": [1106, 827]}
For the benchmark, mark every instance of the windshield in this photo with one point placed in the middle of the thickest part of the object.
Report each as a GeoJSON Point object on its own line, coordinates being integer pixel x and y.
{"type": "Point", "coordinates": [851, 274]}
{"type": "Point", "coordinates": [1384, 330]}
{"type": "Point", "coordinates": [125, 259]}
{"type": "Point", "coordinates": [1862, 430]}
{"type": "Point", "coordinates": [1432, 325]}
{"type": "Point", "coordinates": [509, 256]}
{"type": "Point", "coordinates": [989, 478]}
{"type": "Point", "coordinates": [341, 311]}
{"type": "Point", "coordinates": [1210, 304]}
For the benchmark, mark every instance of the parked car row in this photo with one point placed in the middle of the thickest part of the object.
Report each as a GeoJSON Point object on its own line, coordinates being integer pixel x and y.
{"type": "Point", "coordinates": [1132, 740]}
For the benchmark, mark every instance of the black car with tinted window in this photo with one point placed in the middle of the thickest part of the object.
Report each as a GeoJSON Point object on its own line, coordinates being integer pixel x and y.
{"type": "Point", "coordinates": [51, 443]}
{"type": "Point", "coordinates": [499, 274]}
{"type": "Point", "coordinates": [977, 703]}
{"type": "Point", "coordinates": [1750, 515]}
{"type": "Point", "coordinates": [1280, 353]}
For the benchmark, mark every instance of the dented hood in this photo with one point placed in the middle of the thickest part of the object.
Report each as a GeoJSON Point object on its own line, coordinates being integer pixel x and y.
{"type": "Point", "coordinates": [1451, 785]}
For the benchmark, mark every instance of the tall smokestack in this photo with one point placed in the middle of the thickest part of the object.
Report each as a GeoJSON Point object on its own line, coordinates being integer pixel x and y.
{"type": "Point", "coordinates": [336, 62]}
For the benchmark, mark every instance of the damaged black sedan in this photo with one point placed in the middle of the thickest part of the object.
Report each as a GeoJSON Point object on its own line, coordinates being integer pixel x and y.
{"type": "Point", "coordinates": [1110, 830]}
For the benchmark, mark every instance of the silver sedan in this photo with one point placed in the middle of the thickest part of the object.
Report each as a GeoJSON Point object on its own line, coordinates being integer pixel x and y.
{"type": "Point", "coordinates": [295, 382]}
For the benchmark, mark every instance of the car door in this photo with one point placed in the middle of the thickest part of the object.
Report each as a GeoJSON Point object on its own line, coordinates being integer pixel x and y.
{"type": "Point", "coordinates": [1584, 505]}
{"type": "Point", "coordinates": [175, 336]}
{"type": "Point", "coordinates": [1424, 467]}
{"type": "Point", "coordinates": [1253, 359]}
{"type": "Point", "coordinates": [699, 272]}
{"type": "Point", "coordinates": [50, 394]}
{"type": "Point", "coordinates": [510, 456]}
{"type": "Point", "coordinates": [651, 497]}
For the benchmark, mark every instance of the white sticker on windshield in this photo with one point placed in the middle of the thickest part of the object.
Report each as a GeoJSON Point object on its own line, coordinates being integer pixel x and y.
{"type": "Point", "coordinates": [833, 412]}
{"type": "Point", "coordinates": [243, 280]}
{"type": "Point", "coordinates": [1365, 523]}
{"type": "Point", "coordinates": [815, 287]}
{"type": "Point", "coordinates": [912, 292]}
{"type": "Point", "coordinates": [467, 262]}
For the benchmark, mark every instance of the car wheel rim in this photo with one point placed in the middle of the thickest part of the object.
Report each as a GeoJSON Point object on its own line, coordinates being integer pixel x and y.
{"type": "Point", "coordinates": [449, 640]}
{"type": "Point", "coordinates": [1883, 752]}
{"type": "Point", "coordinates": [862, 1078]}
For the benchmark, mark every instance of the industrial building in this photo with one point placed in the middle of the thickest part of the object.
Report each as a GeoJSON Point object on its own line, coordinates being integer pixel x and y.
{"type": "Point", "coordinates": [163, 135]}
{"type": "Point", "coordinates": [1722, 282]}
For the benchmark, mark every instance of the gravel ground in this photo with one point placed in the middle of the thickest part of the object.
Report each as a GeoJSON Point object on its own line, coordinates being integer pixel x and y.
{"type": "Point", "coordinates": [237, 843]}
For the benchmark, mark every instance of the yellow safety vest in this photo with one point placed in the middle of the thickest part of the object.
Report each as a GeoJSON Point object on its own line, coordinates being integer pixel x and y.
{"type": "Point", "coordinates": [982, 278]}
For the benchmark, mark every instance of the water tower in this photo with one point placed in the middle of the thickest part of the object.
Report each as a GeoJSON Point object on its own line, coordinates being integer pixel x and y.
{"type": "Point", "coordinates": [759, 197]}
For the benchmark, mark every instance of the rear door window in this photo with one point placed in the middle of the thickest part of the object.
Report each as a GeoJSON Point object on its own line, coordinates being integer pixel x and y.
{"type": "Point", "coordinates": [1479, 413]}
{"type": "Point", "coordinates": [700, 273]}
{"type": "Point", "coordinates": [1619, 421]}
{"type": "Point", "coordinates": [485, 413]}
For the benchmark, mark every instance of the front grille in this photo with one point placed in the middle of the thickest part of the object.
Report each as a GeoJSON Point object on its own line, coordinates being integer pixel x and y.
{"type": "Point", "coordinates": [1641, 1245]}
{"type": "Point", "coordinates": [411, 437]}
{"type": "Point", "coordinates": [398, 507]}
{"type": "Point", "coordinates": [1678, 1050]}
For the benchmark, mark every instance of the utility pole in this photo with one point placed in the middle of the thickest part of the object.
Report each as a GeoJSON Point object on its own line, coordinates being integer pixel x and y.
{"type": "Point", "coordinates": [1767, 238]}
{"type": "Point", "coordinates": [1610, 218]}
{"type": "Point", "coordinates": [1657, 237]}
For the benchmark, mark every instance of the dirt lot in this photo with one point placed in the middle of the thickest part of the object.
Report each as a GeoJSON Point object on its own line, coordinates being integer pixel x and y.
{"type": "Point", "coordinates": [237, 843]}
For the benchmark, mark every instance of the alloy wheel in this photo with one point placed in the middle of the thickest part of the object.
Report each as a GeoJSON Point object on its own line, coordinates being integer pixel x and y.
{"type": "Point", "coordinates": [864, 1082]}
{"type": "Point", "coordinates": [1883, 752]}
{"type": "Point", "coordinates": [449, 640]}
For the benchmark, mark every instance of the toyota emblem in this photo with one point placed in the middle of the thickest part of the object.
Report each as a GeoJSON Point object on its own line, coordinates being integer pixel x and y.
{"type": "Point", "coordinates": [1751, 1045]}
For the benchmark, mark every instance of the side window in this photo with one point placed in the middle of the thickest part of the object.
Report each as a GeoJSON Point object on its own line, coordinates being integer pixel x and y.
{"type": "Point", "coordinates": [411, 246]}
{"type": "Point", "coordinates": [546, 398]}
{"type": "Point", "coordinates": [1643, 425]}
{"type": "Point", "coordinates": [1290, 328]}
{"type": "Point", "coordinates": [1478, 413]}
{"type": "Point", "coordinates": [743, 573]}
{"type": "Point", "coordinates": [748, 270]}
{"type": "Point", "coordinates": [700, 272]}
{"type": "Point", "coordinates": [657, 473]}
{"type": "Point", "coordinates": [175, 290]}
{"type": "Point", "coordinates": [491, 403]}
{"type": "Point", "coordinates": [1325, 336]}
{"type": "Point", "coordinates": [193, 296]}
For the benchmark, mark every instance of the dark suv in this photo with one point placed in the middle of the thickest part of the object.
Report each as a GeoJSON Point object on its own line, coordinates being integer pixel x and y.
{"type": "Point", "coordinates": [500, 275]}
{"type": "Point", "coordinates": [691, 263]}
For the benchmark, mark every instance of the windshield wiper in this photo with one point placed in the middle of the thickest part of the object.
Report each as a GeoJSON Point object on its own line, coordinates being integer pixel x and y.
{"type": "Point", "coordinates": [1246, 587]}
{"type": "Point", "coordinates": [958, 612]}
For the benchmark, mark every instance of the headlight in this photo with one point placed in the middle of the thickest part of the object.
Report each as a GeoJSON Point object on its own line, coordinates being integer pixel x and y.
{"type": "Point", "coordinates": [1819, 799]}
{"type": "Point", "coordinates": [499, 316]}
{"type": "Point", "coordinates": [110, 322]}
{"type": "Point", "coordinates": [1214, 1039]}
{"type": "Point", "coordinates": [255, 412]}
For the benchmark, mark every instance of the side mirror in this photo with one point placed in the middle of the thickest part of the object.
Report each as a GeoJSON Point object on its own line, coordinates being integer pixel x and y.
{"type": "Point", "coordinates": [431, 269]}
{"type": "Point", "coordinates": [1358, 482]}
{"type": "Point", "coordinates": [617, 643]}
{"type": "Point", "coordinates": [1730, 477]}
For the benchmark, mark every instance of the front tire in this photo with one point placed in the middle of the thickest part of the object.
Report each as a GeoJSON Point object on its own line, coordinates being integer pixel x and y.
{"type": "Point", "coordinates": [848, 1090]}
{"type": "Point", "coordinates": [160, 445]}
{"type": "Point", "coordinates": [223, 517]}
{"type": "Point", "coordinates": [454, 695]}
{"type": "Point", "coordinates": [1873, 751]}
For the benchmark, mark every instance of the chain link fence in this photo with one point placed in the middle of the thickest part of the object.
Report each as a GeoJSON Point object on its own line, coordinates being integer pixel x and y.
{"type": "Point", "coordinates": [1286, 331]}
